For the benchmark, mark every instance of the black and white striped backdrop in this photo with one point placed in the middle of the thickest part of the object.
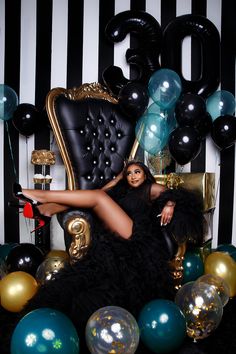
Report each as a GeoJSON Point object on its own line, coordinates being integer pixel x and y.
{"type": "Point", "coordinates": [50, 43]}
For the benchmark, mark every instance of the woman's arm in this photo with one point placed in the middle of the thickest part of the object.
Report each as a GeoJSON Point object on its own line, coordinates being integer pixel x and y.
{"type": "Point", "coordinates": [113, 182]}
{"type": "Point", "coordinates": [168, 210]}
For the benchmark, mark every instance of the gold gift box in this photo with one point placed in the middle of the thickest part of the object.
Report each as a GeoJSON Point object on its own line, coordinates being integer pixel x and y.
{"type": "Point", "coordinates": [200, 182]}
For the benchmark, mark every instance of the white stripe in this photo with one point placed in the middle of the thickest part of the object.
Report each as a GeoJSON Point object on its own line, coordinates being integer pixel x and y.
{"type": "Point", "coordinates": [212, 152]}
{"type": "Point", "coordinates": [27, 95]}
{"type": "Point", "coordinates": [184, 7]}
{"type": "Point", "coordinates": [2, 55]}
{"type": "Point", "coordinates": [90, 41]}
{"type": "Point", "coordinates": [154, 9]}
{"type": "Point", "coordinates": [121, 47]}
{"type": "Point", "coordinates": [59, 43]}
{"type": "Point", "coordinates": [58, 79]}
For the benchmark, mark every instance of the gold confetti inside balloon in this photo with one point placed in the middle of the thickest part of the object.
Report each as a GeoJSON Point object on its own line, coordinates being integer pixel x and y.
{"type": "Point", "coordinates": [58, 253]}
{"type": "Point", "coordinates": [217, 283]}
{"type": "Point", "coordinates": [112, 329]}
{"type": "Point", "coordinates": [202, 308]}
{"type": "Point", "coordinates": [48, 268]}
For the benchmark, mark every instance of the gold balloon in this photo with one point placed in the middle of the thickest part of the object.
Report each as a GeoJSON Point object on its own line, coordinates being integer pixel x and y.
{"type": "Point", "coordinates": [223, 266]}
{"type": "Point", "coordinates": [16, 289]}
{"type": "Point", "coordinates": [48, 268]}
{"type": "Point", "coordinates": [58, 253]}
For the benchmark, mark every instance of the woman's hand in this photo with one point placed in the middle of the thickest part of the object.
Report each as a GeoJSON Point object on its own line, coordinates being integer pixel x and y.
{"type": "Point", "coordinates": [167, 213]}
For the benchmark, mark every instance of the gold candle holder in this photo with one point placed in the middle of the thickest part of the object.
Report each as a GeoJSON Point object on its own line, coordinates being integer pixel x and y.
{"type": "Point", "coordinates": [43, 158]}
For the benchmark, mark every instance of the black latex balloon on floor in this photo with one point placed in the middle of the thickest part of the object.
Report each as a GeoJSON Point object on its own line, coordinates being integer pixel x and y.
{"type": "Point", "coordinates": [133, 99]}
{"type": "Point", "coordinates": [27, 119]}
{"type": "Point", "coordinates": [25, 257]}
{"type": "Point", "coordinates": [223, 131]}
{"type": "Point", "coordinates": [184, 144]}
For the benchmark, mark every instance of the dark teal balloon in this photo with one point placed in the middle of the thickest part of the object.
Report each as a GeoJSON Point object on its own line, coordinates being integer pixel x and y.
{"type": "Point", "coordinates": [221, 103]}
{"type": "Point", "coordinates": [162, 326]}
{"type": "Point", "coordinates": [45, 331]}
{"type": "Point", "coordinates": [165, 88]}
{"type": "Point", "coordinates": [233, 255]}
{"type": "Point", "coordinates": [5, 250]}
{"type": "Point", "coordinates": [8, 102]}
{"type": "Point", "coordinates": [193, 267]}
{"type": "Point", "coordinates": [228, 248]}
{"type": "Point", "coordinates": [152, 132]}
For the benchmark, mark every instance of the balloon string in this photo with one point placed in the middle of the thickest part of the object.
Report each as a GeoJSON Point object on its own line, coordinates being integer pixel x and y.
{"type": "Point", "coordinates": [11, 151]}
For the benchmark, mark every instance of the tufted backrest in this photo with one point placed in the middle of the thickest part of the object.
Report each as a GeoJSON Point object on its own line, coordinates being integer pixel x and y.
{"type": "Point", "coordinates": [92, 134]}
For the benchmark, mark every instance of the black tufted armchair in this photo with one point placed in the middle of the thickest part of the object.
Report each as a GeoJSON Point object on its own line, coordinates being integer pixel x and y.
{"type": "Point", "coordinates": [94, 139]}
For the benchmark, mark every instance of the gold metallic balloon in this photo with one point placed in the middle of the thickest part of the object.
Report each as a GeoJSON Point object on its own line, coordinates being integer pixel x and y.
{"type": "Point", "coordinates": [58, 253]}
{"type": "Point", "coordinates": [218, 284]}
{"type": "Point", "coordinates": [222, 265]}
{"type": "Point", "coordinates": [48, 268]}
{"type": "Point", "coordinates": [16, 289]}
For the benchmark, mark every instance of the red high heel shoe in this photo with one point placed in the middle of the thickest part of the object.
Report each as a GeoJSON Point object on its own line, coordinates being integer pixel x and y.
{"type": "Point", "coordinates": [30, 211]}
{"type": "Point", "coordinates": [30, 207]}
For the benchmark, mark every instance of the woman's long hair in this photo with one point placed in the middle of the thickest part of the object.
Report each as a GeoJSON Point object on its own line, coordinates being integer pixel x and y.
{"type": "Point", "coordinates": [149, 176]}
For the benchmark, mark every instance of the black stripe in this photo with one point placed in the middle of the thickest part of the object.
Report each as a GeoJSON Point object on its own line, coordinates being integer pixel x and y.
{"type": "Point", "coordinates": [12, 73]}
{"type": "Point", "coordinates": [227, 170]}
{"type": "Point", "coordinates": [168, 14]}
{"type": "Point", "coordinates": [43, 84]}
{"type": "Point", "coordinates": [198, 8]}
{"type": "Point", "coordinates": [106, 48]}
{"type": "Point", "coordinates": [135, 5]}
{"type": "Point", "coordinates": [75, 43]}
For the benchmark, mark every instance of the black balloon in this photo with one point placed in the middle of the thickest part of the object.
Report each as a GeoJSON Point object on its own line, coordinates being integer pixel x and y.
{"type": "Point", "coordinates": [133, 99]}
{"type": "Point", "coordinates": [27, 119]}
{"type": "Point", "coordinates": [203, 125]}
{"type": "Point", "coordinates": [208, 36]}
{"type": "Point", "coordinates": [25, 257]}
{"type": "Point", "coordinates": [145, 57]}
{"type": "Point", "coordinates": [184, 144]}
{"type": "Point", "coordinates": [223, 131]}
{"type": "Point", "coordinates": [189, 108]}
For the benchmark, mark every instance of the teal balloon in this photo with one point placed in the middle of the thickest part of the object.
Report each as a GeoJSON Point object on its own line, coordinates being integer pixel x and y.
{"type": "Point", "coordinates": [193, 267]}
{"type": "Point", "coordinates": [169, 115]}
{"type": "Point", "coordinates": [233, 255]}
{"type": "Point", "coordinates": [165, 88]}
{"type": "Point", "coordinates": [5, 250]}
{"type": "Point", "coordinates": [45, 331]}
{"type": "Point", "coordinates": [152, 132]}
{"type": "Point", "coordinates": [221, 103]}
{"type": "Point", "coordinates": [225, 247]}
{"type": "Point", "coordinates": [8, 102]}
{"type": "Point", "coordinates": [162, 326]}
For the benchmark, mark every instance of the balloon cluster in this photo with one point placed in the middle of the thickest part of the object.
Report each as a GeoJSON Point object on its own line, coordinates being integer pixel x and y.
{"type": "Point", "coordinates": [26, 118]}
{"type": "Point", "coordinates": [23, 268]}
{"type": "Point", "coordinates": [184, 112]}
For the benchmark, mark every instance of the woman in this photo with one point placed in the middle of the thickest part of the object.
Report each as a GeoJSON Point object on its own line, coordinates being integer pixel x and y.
{"type": "Point", "coordinates": [127, 263]}
{"type": "Point", "coordinates": [134, 176]}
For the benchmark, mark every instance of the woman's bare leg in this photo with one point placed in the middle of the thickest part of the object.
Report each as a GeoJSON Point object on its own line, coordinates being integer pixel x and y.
{"type": "Point", "coordinates": [106, 209]}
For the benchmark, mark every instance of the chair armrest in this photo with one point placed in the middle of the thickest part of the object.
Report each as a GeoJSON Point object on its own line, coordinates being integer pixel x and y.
{"type": "Point", "coordinates": [77, 225]}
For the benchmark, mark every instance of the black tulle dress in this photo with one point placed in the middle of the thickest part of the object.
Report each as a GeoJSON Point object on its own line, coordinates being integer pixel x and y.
{"type": "Point", "coordinates": [115, 271]}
